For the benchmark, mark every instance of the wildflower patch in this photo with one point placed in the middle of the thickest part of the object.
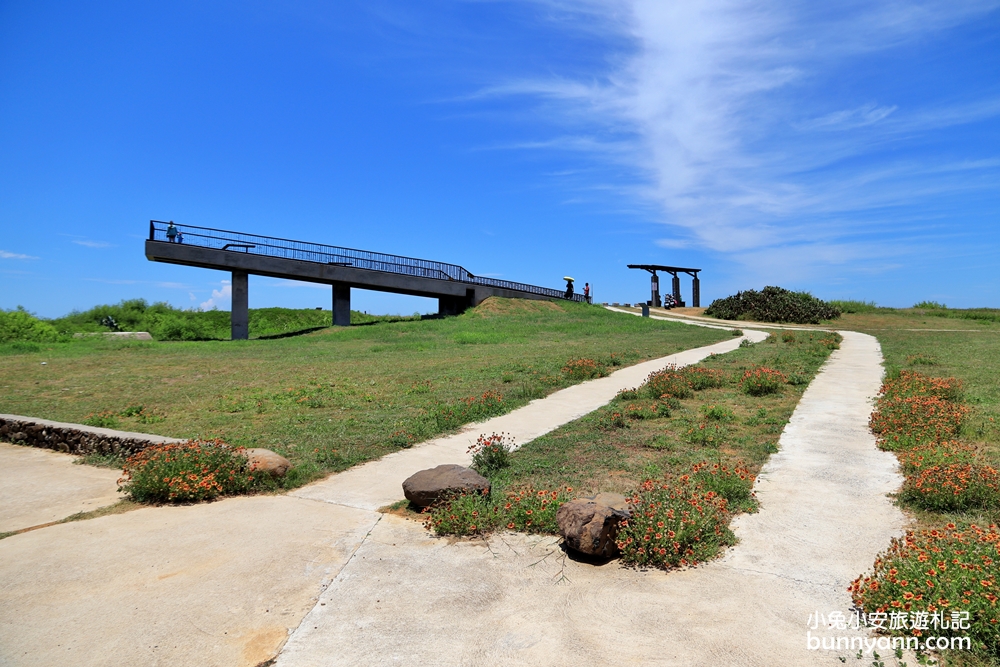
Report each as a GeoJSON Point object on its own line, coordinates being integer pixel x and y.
{"type": "Point", "coordinates": [935, 572]}
{"type": "Point", "coordinates": [193, 471]}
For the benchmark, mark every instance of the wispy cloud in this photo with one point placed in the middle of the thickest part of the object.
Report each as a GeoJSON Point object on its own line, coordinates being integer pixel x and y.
{"type": "Point", "coordinates": [707, 107]}
{"type": "Point", "coordinates": [93, 244]}
{"type": "Point", "coordinates": [14, 255]}
{"type": "Point", "coordinates": [868, 114]}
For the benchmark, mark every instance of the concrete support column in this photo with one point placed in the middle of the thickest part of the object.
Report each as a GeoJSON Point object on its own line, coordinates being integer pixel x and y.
{"type": "Point", "coordinates": [655, 290]}
{"type": "Point", "coordinates": [677, 288]}
{"type": "Point", "coordinates": [239, 315]}
{"type": "Point", "coordinates": [696, 292]}
{"type": "Point", "coordinates": [341, 305]}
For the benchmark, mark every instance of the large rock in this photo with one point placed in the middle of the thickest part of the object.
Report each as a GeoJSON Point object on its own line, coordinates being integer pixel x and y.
{"type": "Point", "coordinates": [590, 525]}
{"type": "Point", "coordinates": [428, 486]}
{"type": "Point", "coordinates": [264, 460]}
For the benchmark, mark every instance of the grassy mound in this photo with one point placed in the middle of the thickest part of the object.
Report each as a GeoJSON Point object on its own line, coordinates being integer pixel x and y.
{"type": "Point", "coordinates": [164, 322]}
{"type": "Point", "coordinates": [773, 304]}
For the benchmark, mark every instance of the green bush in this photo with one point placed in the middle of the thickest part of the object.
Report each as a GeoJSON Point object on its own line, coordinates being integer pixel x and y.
{"type": "Point", "coordinates": [164, 322]}
{"type": "Point", "coordinates": [761, 381]}
{"type": "Point", "coordinates": [773, 304]}
{"type": "Point", "coordinates": [21, 326]}
{"type": "Point", "coordinates": [186, 472]}
{"type": "Point", "coordinates": [491, 453]}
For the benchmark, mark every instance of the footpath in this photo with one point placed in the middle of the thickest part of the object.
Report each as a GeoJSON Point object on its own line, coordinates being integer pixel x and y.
{"type": "Point", "coordinates": [407, 598]}
{"type": "Point", "coordinates": [229, 583]}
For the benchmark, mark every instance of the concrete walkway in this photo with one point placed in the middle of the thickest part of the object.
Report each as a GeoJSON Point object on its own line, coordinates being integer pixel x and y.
{"type": "Point", "coordinates": [39, 486]}
{"type": "Point", "coordinates": [379, 483]}
{"type": "Point", "coordinates": [225, 583]}
{"type": "Point", "coordinates": [407, 598]}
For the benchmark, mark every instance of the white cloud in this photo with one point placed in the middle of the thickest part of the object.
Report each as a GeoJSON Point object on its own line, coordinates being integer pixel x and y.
{"type": "Point", "coordinates": [706, 107]}
{"type": "Point", "coordinates": [14, 255]}
{"type": "Point", "coordinates": [93, 244]}
{"type": "Point", "coordinates": [868, 114]}
{"type": "Point", "coordinates": [220, 297]}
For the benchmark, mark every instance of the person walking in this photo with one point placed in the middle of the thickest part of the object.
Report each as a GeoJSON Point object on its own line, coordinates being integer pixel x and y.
{"type": "Point", "coordinates": [171, 232]}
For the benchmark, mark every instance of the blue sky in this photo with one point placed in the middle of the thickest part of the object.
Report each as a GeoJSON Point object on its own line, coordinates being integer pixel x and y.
{"type": "Point", "coordinates": [851, 149]}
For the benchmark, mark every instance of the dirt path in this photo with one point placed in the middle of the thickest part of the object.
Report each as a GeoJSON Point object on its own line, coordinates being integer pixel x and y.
{"type": "Point", "coordinates": [407, 598]}
{"type": "Point", "coordinates": [225, 583]}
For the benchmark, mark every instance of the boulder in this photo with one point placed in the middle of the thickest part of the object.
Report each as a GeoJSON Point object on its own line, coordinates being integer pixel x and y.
{"type": "Point", "coordinates": [264, 460]}
{"type": "Point", "coordinates": [590, 525]}
{"type": "Point", "coordinates": [428, 486]}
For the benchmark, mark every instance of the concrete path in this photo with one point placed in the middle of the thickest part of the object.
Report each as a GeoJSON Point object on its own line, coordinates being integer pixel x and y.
{"type": "Point", "coordinates": [39, 486]}
{"type": "Point", "coordinates": [379, 483]}
{"type": "Point", "coordinates": [410, 599]}
{"type": "Point", "coordinates": [225, 583]}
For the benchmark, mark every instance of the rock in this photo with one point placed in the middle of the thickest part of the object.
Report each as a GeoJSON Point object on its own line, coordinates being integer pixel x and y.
{"type": "Point", "coordinates": [590, 525]}
{"type": "Point", "coordinates": [264, 460]}
{"type": "Point", "coordinates": [428, 486]}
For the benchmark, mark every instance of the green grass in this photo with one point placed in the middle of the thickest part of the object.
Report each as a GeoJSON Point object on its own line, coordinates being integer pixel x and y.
{"type": "Point", "coordinates": [332, 398]}
{"type": "Point", "coordinates": [918, 339]}
{"type": "Point", "coordinates": [909, 341]}
{"type": "Point", "coordinates": [720, 424]}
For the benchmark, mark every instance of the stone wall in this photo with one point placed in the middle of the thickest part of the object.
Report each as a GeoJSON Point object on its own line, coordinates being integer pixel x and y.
{"type": "Point", "coordinates": [74, 438]}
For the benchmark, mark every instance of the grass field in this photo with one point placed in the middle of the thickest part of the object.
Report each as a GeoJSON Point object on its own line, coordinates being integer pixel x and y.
{"type": "Point", "coordinates": [333, 398]}
{"type": "Point", "coordinates": [721, 424]}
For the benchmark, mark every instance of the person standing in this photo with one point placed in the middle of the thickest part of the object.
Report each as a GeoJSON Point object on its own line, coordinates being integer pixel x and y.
{"type": "Point", "coordinates": [171, 232]}
{"type": "Point", "coordinates": [586, 292]}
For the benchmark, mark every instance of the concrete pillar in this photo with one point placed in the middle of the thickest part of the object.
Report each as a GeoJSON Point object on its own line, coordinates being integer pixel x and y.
{"type": "Point", "coordinates": [654, 284]}
{"type": "Point", "coordinates": [696, 292]}
{"type": "Point", "coordinates": [239, 315]}
{"type": "Point", "coordinates": [341, 305]}
{"type": "Point", "coordinates": [677, 288]}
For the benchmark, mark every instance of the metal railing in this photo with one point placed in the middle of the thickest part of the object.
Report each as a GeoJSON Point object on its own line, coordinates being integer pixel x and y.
{"type": "Point", "coordinates": [304, 251]}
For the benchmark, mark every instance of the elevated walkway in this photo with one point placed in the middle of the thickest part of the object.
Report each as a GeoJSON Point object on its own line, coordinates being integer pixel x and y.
{"type": "Point", "coordinates": [342, 268]}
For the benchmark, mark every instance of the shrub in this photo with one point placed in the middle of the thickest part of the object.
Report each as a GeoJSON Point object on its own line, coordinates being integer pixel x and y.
{"type": "Point", "coordinates": [473, 408]}
{"type": "Point", "coordinates": [936, 572]}
{"type": "Point", "coordinates": [901, 422]}
{"type": "Point", "coordinates": [788, 337]}
{"type": "Point", "coordinates": [491, 453]}
{"type": "Point", "coordinates": [527, 510]}
{"type": "Point", "coordinates": [951, 487]}
{"type": "Point", "coordinates": [734, 484]}
{"type": "Point", "coordinates": [612, 419]}
{"type": "Point", "coordinates": [941, 453]}
{"type": "Point", "coordinates": [670, 381]}
{"type": "Point", "coordinates": [773, 304]}
{"type": "Point", "coordinates": [700, 378]}
{"type": "Point", "coordinates": [761, 381]}
{"type": "Point", "coordinates": [674, 524]}
{"type": "Point", "coordinates": [584, 369]}
{"type": "Point", "coordinates": [188, 472]}
{"type": "Point", "coordinates": [628, 394]}
{"type": "Point", "coordinates": [21, 326]}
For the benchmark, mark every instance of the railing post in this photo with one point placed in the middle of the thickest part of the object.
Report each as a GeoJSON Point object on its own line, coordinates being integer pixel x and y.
{"type": "Point", "coordinates": [152, 231]}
